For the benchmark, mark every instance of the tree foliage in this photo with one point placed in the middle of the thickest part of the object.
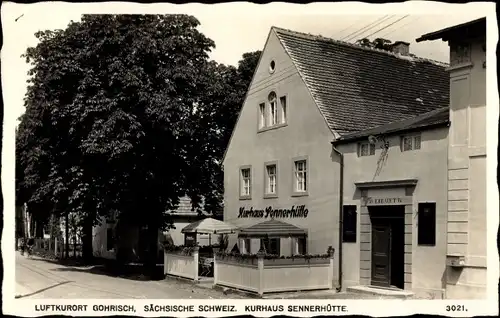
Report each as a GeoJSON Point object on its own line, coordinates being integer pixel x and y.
{"type": "Point", "coordinates": [378, 43]}
{"type": "Point", "coordinates": [126, 113]}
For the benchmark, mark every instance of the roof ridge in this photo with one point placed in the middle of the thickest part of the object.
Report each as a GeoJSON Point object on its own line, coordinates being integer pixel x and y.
{"type": "Point", "coordinates": [356, 46]}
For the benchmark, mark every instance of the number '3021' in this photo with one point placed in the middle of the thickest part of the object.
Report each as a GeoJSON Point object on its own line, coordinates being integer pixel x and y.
{"type": "Point", "coordinates": [455, 308]}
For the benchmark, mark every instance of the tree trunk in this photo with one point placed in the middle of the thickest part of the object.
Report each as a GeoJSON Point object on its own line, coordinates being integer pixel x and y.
{"type": "Point", "coordinates": [152, 249]}
{"type": "Point", "coordinates": [87, 250]}
{"type": "Point", "coordinates": [66, 225]}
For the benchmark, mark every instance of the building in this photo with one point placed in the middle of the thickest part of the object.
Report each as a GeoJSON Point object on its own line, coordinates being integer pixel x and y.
{"type": "Point", "coordinates": [394, 205]}
{"type": "Point", "coordinates": [110, 235]}
{"type": "Point", "coordinates": [466, 249]}
{"type": "Point", "coordinates": [307, 91]}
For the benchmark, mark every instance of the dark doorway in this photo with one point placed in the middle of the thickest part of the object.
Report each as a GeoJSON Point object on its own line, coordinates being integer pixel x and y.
{"type": "Point", "coordinates": [388, 246]}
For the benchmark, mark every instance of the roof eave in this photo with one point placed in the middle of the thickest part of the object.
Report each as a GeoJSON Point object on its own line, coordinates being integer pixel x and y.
{"type": "Point", "coordinates": [390, 133]}
{"type": "Point", "coordinates": [445, 34]}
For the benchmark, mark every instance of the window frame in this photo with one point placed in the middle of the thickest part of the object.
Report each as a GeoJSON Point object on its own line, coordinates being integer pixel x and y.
{"type": "Point", "coordinates": [349, 235]}
{"type": "Point", "coordinates": [261, 116]}
{"type": "Point", "coordinates": [267, 242]}
{"type": "Point", "coordinates": [249, 195]}
{"type": "Point", "coordinates": [429, 238]}
{"type": "Point", "coordinates": [283, 114]}
{"type": "Point", "coordinates": [413, 138]}
{"type": "Point", "coordinates": [272, 114]}
{"type": "Point", "coordinates": [268, 194]}
{"type": "Point", "coordinates": [268, 113]}
{"type": "Point", "coordinates": [371, 149]}
{"type": "Point", "coordinates": [295, 192]}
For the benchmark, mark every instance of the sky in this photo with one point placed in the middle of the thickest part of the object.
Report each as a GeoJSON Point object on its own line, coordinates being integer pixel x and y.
{"type": "Point", "coordinates": [236, 28]}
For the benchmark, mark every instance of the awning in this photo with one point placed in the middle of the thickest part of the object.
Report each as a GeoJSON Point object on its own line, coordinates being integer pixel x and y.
{"type": "Point", "coordinates": [209, 226]}
{"type": "Point", "coordinates": [272, 228]}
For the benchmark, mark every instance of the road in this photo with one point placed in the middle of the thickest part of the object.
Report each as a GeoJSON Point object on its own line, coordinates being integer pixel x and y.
{"type": "Point", "coordinates": [37, 278]}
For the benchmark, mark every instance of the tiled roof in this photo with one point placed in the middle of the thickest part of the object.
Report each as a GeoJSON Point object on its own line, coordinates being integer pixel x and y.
{"type": "Point", "coordinates": [433, 118]}
{"type": "Point", "coordinates": [272, 228]}
{"type": "Point", "coordinates": [357, 88]}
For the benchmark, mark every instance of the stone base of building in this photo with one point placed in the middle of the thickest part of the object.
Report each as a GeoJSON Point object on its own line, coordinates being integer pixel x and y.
{"type": "Point", "coordinates": [466, 291]}
{"type": "Point", "coordinates": [466, 283]}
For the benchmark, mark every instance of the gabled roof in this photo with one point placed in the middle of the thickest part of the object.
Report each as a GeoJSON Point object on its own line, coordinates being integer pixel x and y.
{"type": "Point", "coordinates": [437, 117]}
{"type": "Point", "coordinates": [471, 28]}
{"type": "Point", "coordinates": [357, 88]}
{"type": "Point", "coordinates": [272, 228]}
{"type": "Point", "coordinates": [185, 208]}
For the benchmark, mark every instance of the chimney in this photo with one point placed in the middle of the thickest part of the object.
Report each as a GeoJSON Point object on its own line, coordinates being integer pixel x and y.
{"type": "Point", "coordinates": [401, 47]}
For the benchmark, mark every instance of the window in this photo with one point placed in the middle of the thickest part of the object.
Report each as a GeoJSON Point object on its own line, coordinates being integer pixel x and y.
{"type": "Point", "coordinates": [366, 149]}
{"type": "Point", "coordinates": [190, 239]}
{"type": "Point", "coordinates": [301, 176]}
{"type": "Point", "coordinates": [301, 246]}
{"type": "Point", "coordinates": [262, 115]}
{"type": "Point", "coordinates": [273, 109]}
{"type": "Point", "coordinates": [283, 109]}
{"type": "Point", "coordinates": [110, 239]}
{"type": "Point", "coordinates": [271, 173]}
{"type": "Point", "coordinates": [349, 224]}
{"type": "Point", "coordinates": [271, 245]}
{"type": "Point", "coordinates": [248, 246]}
{"type": "Point", "coordinates": [272, 67]}
{"type": "Point", "coordinates": [246, 182]}
{"type": "Point", "coordinates": [427, 224]}
{"type": "Point", "coordinates": [409, 143]}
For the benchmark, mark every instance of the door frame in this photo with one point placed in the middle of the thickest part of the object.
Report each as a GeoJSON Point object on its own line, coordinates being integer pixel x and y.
{"type": "Point", "coordinates": [389, 254]}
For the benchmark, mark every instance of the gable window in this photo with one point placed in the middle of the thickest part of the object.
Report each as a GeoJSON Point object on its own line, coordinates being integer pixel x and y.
{"type": "Point", "coordinates": [409, 143]}
{"type": "Point", "coordinates": [271, 176]}
{"type": "Point", "coordinates": [246, 182]}
{"type": "Point", "coordinates": [300, 176]}
{"type": "Point", "coordinates": [366, 149]}
{"type": "Point", "coordinates": [273, 109]}
{"type": "Point", "coordinates": [427, 224]}
{"type": "Point", "coordinates": [262, 115]}
{"type": "Point", "coordinates": [283, 109]}
{"type": "Point", "coordinates": [349, 224]}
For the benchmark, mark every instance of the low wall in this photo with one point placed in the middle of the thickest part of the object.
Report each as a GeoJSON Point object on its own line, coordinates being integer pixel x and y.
{"type": "Point", "coordinates": [262, 275]}
{"type": "Point", "coordinates": [298, 274]}
{"type": "Point", "coordinates": [181, 265]}
{"type": "Point", "coordinates": [237, 273]}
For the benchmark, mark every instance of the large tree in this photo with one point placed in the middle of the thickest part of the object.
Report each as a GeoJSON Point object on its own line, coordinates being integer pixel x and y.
{"type": "Point", "coordinates": [126, 113]}
{"type": "Point", "coordinates": [108, 114]}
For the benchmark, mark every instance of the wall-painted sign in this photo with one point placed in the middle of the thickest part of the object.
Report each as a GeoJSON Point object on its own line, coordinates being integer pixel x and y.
{"type": "Point", "coordinates": [371, 201]}
{"type": "Point", "coordinates": [299, 211]}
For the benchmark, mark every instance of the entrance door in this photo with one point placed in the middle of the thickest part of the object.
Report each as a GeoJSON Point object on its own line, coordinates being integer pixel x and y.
{"type": "Point", "coordinates": [381, 255]}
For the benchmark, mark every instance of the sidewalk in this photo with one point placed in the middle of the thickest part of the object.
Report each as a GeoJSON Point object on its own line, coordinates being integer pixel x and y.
{"type": "Point", "coordinates": [21, 290]}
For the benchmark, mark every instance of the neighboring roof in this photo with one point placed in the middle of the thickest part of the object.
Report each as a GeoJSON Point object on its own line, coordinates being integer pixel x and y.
{"type": "Point", "coordinates": [272, 228]}
{"type": "Point", "coordinates": [430, 119]}
{"type": "Point", "coordinates": [357, 88]}
{"type": "Point", "coordinates": [185, 208]}
{"type": "Point", "coordinates": [475, 27]}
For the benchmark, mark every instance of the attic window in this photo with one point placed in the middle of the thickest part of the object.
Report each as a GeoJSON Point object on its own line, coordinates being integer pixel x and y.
{"type": "Point", "coordinates": [272, 67]}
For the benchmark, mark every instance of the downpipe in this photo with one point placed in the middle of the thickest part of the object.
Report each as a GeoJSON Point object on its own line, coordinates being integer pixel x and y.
{"type": "Point", "coordinates": [341, 214]}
